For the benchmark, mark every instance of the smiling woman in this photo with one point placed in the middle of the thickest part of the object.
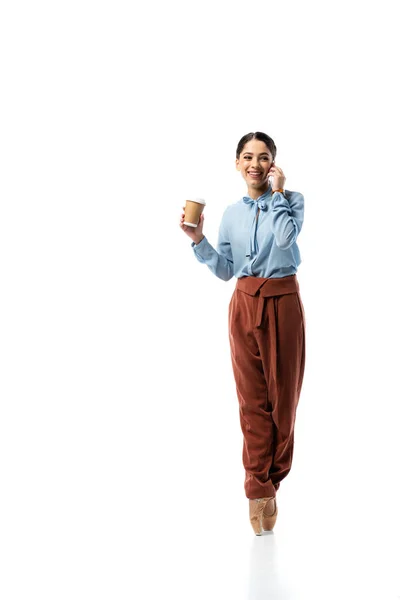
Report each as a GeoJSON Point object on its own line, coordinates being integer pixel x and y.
{"type": "Point", "coordinates": [257, 243]}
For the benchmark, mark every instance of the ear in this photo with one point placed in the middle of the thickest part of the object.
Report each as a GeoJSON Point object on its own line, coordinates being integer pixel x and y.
{"type": "Point", "coordinates": [237, 165]}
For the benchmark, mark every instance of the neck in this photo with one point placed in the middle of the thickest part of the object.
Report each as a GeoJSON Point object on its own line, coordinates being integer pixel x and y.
{"type": "Point", "coordinates": [255, 193]}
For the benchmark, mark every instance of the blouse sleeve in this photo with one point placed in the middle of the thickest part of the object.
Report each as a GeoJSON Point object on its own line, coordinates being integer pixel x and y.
{"type": "Point", "coordinates": [287, 218]}
{"type": "Point", "coordinates": [220, 260]}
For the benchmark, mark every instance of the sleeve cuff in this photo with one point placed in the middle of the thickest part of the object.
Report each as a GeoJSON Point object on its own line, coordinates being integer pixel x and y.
{"type": "Point", "coordinates": [199, 244]}
{"type": "Point", "coordinates": [279, 199]}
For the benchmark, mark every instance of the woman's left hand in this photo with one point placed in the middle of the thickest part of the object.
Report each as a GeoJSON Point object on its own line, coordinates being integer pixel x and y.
{"type": "Point", "coordinates": [279, 177]}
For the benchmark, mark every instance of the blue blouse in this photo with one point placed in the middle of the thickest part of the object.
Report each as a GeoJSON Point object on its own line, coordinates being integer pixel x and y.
{"type": "Point", "coordinates": [257, 246]}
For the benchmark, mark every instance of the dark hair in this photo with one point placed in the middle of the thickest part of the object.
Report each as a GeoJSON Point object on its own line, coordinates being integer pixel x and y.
{"type": "Point", "coordinates": [257, 135]}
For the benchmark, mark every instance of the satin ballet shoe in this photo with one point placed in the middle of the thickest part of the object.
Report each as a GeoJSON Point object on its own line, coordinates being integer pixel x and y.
{"type": "Point", "coordinates": [257, 516]}
{"type": "Point", "coordinates": [269, 514]}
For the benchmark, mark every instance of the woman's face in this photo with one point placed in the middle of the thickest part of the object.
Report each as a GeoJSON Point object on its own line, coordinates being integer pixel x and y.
{"type": "Point", "coordinates": [254, 162]}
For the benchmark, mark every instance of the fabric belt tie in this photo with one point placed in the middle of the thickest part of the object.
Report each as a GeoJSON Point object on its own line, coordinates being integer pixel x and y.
{"type": "Point", "coordinates": [273, 357]}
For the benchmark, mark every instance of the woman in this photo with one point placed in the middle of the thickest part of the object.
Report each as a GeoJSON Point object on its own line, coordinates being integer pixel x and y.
{"type": "Point", "coordinates": [257, 243]}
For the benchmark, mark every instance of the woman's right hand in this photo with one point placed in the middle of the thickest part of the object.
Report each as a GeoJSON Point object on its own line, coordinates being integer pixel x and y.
{"type": "Point", "coordinates": [195, 233]}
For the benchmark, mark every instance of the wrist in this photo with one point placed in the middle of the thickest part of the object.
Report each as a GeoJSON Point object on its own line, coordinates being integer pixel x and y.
{"type": "Point", "coordinates": [198, 240]}
{"type": "Point", "coordinates": [278, 190]}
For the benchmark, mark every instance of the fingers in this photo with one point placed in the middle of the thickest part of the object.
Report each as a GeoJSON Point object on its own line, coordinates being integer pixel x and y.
{"type": "Point", "coordinates": [276, 170]}
{"type": "Point", "coordinates": [186, 228]}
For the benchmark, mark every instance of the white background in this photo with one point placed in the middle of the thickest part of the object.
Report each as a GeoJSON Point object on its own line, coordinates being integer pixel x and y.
{"type": "Point", "coordinates": [120, 444]}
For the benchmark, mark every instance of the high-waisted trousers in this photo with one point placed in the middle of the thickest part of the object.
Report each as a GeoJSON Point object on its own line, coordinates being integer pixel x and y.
{"type": "Point", "coordinates": [267, 341]}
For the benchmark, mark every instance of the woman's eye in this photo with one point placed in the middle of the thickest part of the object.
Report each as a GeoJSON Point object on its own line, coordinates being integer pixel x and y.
{"type": "Point", "coordinates": [262, 158]}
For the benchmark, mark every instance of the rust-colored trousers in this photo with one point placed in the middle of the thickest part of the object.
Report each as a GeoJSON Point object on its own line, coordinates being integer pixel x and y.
{"type": "Point", "coordinates": [267, 339]}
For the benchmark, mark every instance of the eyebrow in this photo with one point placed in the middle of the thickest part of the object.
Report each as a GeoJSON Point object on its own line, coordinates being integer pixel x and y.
{"type": "Point", "coordinates": [261, 153]}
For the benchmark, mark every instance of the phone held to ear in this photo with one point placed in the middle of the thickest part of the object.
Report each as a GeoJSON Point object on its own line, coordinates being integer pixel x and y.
{"type": "Point", "coordinates": [271, 177]}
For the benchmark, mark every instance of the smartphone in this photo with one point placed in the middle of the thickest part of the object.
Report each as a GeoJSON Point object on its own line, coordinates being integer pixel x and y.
{"type": "Point", "coordinates": [271, 177]}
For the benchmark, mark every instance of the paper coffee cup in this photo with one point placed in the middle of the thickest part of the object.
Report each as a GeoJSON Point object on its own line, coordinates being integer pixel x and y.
{"type": "Point", "coordinates": [193, 210]}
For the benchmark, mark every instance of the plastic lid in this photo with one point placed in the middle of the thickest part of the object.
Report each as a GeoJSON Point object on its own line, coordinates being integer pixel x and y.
{"type": "Point", "coordinates": [199, 200]}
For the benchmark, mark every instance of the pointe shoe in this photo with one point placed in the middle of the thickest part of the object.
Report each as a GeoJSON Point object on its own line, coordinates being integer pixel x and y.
{"type": "Point", "coordinates": [256, 513]}
{"type": "Point", "coordinates": [269, 514]}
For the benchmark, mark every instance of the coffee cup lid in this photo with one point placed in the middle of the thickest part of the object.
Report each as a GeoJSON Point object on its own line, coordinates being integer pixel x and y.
{"type": "Point", "coordinates": [199, 200]}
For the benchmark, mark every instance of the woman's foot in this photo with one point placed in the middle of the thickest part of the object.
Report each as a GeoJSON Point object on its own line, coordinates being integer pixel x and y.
{"type": "Point", "coordinates": [269, 515]}
{"type": "Point", "coordinates": [263, 513]}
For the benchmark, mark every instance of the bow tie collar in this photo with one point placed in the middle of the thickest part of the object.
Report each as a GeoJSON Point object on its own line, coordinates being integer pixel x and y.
{"type": "Point", "coordinates": [261, 203]}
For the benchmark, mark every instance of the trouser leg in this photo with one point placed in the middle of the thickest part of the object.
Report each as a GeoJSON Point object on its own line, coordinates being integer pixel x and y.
{"type": "Point", "coordinates": [266, 408]}
{"type": "Point", "coordinates": [254, 411]}
{"type": "Point", "coordinates": [290, 363]}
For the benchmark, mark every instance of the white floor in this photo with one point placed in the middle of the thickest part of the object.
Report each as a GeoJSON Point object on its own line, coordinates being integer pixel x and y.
{"type": "Point", "coordinates": [320, 549]}
{"type": "Point", "coordinates": [84, 538]}
{"type": "Point", "coordinates": [107, 498]}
